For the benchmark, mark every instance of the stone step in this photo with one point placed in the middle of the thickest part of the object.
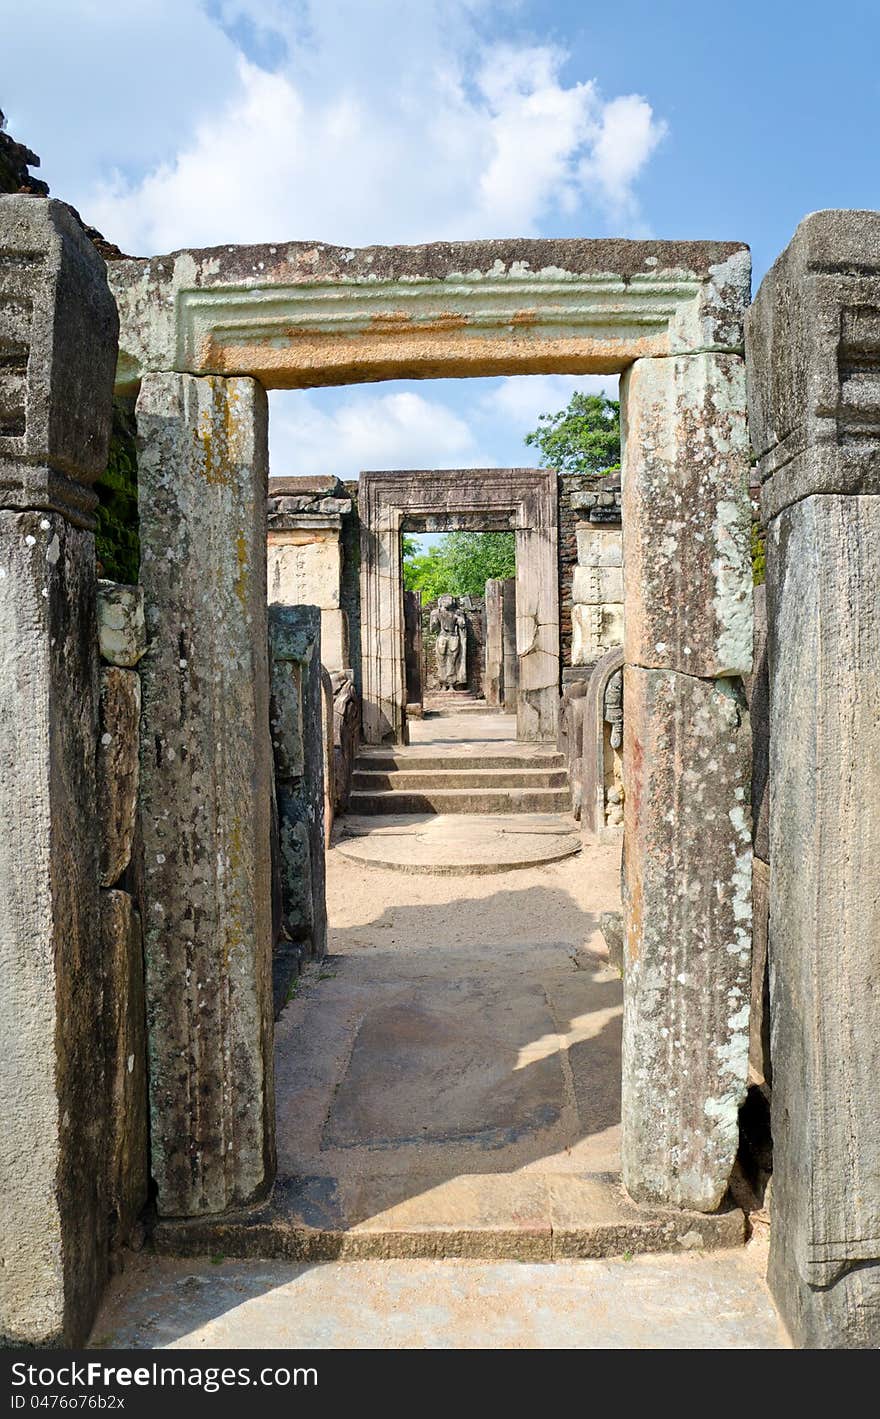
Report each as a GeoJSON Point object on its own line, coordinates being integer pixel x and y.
{"type": "Point", "coordinates": [456, 711]}
{"type": "Point", "coordinates": [389, 761]}
{"type": "Point", "coordinates": [523, 1218]}
{"type": "Point", "coordinates": [462, 800]}
{"type": "Point", "coordinates": [406, 779]}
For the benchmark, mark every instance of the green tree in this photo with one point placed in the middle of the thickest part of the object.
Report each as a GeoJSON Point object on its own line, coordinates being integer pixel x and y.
{"type": "Point", "coordinates": [584, 437]}
{"type": "Point", "coordinates": [461, 564]}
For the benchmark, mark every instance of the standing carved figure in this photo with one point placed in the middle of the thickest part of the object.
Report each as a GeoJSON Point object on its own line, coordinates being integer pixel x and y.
{"type": "Point", "coordinates": [450, 648]}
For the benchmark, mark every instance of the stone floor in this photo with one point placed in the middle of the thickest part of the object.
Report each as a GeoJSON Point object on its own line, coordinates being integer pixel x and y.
{"type": "Point", "coordinates": [714, 1302]}
{"type": "Point", "coordinates": [448, 1087]}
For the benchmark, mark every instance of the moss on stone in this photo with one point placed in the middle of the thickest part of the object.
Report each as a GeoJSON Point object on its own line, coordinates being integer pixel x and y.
{"type": "Point", "coordinates": [116, 538]}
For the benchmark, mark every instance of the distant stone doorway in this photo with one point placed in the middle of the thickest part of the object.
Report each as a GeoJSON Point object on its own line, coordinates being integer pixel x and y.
{"type": "Point", "coordinates": [523, 500]}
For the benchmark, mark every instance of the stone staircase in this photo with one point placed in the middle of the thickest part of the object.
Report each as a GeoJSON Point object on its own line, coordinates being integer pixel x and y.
{"type": "Point", "coordinates": [521, 779]}
{"type": "Point", "coordinates": [443, 704]}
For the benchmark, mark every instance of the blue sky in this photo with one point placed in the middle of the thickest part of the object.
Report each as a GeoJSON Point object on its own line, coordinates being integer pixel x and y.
{"type": "Point", "coordinates": [173, 122]}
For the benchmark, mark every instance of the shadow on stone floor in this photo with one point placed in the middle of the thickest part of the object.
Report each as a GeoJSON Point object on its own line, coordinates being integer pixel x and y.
{"type": "Point", "coordinates": [448, 1050]}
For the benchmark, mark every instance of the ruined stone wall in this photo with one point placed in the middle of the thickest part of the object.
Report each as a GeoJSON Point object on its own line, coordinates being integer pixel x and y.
{"type": "Point", "coordinates": [590, 597]}
{"type": "Point", "coordinates": [122, 642]}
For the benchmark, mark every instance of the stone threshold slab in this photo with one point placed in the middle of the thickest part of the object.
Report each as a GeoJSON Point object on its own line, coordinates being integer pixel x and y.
{"type": "Point", "coordinates": [515, 1217]}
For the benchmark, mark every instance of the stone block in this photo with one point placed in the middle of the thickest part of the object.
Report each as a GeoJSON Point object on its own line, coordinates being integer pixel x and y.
{"type": "Point", "coordinates": [593, 586]}
{"type": "Point", "coordinates": [125, 1049]}
{"type": "Point", "coordinates": [599, 546]}
{"type": "Point", "coordinates": [824, 633]}
{"type": "Point", "coordinates": [687, 874]}
{"type": "Point", "coordinates": [58, 338]}
{"type": "Point", "coordinates": [304, 572]}
{"type": "Point", "coordinates": [335, 649]}
{"type": "Point", "coordinates": [594, 631]}
{"type": "Point", "coordinates": [336, 506]}
{"type": "Point", "coordinates": [122, 634]}
{"type": "Point", "coordinates": [813, 355]}
{"type": "Point", "coordinates": [54, 1229]}
{"type": "Point", "coordinates": [206, 789]}
{"type": "Point", "coordinates": [118, 768]}
{"type": "Point", "coordinates": [687, 515]}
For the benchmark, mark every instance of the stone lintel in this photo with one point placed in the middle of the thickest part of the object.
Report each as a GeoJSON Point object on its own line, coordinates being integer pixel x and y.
{"type": "Point", "coordinates": [310, 527]}
{"type": "Point", "coordinates": [298, 314]}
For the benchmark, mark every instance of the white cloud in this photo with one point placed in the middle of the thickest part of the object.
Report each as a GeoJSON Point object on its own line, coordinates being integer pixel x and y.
{"type": "Point", "coordinates": [367, 430]}
{"type": "Point", "coordinates": [518, 400]}
{"type": "Point", "coordinates": [346, 122]}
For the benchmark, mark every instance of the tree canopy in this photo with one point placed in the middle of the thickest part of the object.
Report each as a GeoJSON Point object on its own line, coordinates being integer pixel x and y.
{"type": "Point", "coordinates": [460, 565]}
{"type": "Point", "coordinates": [584, 437]}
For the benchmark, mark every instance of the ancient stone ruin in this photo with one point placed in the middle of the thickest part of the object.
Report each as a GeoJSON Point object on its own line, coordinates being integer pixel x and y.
{"type": "Point", "coordinates": [160, 903]}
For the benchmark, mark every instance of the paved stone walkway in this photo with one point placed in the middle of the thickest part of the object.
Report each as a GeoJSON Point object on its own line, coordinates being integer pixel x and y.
{"type": "Point", "coordinates": [448, 1086]}
{"type": "Point", "coordinates": [651, 1302]}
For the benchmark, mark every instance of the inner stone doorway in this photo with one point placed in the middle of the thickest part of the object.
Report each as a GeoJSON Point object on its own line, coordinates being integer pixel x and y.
{"type": "Point", "coordinates": [522, 500]}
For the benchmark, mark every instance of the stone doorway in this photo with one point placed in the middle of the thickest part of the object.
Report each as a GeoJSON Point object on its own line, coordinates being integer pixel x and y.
{"type": "Point", "coordinates": [523, 500]}
{"type": "Point", "coordinates": [203, 334]}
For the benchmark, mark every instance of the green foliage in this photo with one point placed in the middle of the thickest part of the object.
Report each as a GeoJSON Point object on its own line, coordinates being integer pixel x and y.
{"type": "Point", "coordinates": [116, 537]}
{"type": "Point", "coordinates": [460, 565]}
{"type": "Point", "coordinates": [584, 437]}
{"type": "Point", "coordinates": [759, 556]}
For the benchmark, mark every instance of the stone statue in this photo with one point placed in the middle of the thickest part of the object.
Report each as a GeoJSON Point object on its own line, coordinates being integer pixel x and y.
{"type": "Point", "coordinates": [614, 707]}
{"type": "Point", "coordinates": [450, 648]}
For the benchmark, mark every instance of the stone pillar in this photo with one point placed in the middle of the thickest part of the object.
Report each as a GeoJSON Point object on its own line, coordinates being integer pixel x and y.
{"type": "Point", "coordinates": [813, 341]}
{"type": "Point", "coordinates": [205, 789]}
{"type": "Point", "coordinates": [687, 826]}
{"type": "Point", "coordinates": [382, 649]}
{"type": "Point", "coordinates": [297, 722]}
{"type": "Point", "coordinates": [58, 334]}
{"type": "Point", "coordinates": [537, 623]}
{"type": "Point", "coordinates": [493, 678]}
{"type": "Point", "coordinates": [510, 673]}
{"type": "Point", "coordinates": [413, 650]}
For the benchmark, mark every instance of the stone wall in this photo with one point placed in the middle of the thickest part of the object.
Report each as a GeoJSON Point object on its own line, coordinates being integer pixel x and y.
{"type": "Point", "coordinates": [305, 555]}
{"type": "Point", "coordinates": [590, 568]}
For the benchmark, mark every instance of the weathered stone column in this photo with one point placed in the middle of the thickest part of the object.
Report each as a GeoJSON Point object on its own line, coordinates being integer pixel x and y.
{"type": "Point", "coordinates": [493, 679]}
{"type": "Point", "coordinates": [814, 405]}
{"type": "Point", "coordinates": [687, 826]}
{"type": "Point", "coordinates": [508, 638]}
{"type": "Point", "coordinates": [205, 789]}
{"type": "Point", "coordinates": [382, 647]}
{"type": "Point", "coordinates": [58, 331]}
{"type": "Point", "coordinates": [298, 727]}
